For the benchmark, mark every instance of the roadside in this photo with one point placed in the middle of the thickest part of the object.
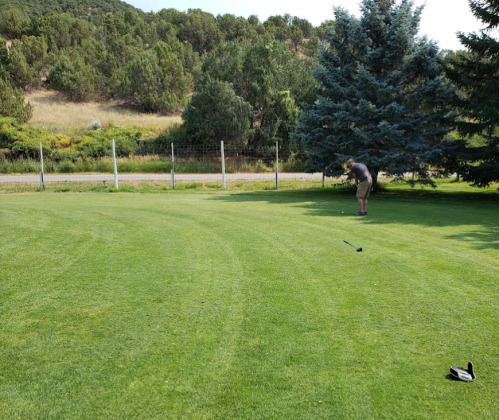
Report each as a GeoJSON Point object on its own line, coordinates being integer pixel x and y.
{"type": "Point", "coordinates": [154, 177]}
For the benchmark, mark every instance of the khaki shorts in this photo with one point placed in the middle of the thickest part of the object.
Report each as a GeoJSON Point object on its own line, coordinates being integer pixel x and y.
{"type": "Point", "coordinates": [364, 189]}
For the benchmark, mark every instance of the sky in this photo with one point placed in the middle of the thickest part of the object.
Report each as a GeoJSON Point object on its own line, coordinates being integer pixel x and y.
{"type": "Point", "coordinates": [440, 21]}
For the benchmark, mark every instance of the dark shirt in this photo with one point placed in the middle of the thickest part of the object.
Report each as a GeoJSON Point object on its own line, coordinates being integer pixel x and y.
{"type": "Point", "coordinates": [361, 171]}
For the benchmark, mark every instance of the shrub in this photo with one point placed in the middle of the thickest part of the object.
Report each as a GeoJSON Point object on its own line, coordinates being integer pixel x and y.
{"type": "Point", "coordinates": [74, 78]}
{"type": "Point", "coordinates": [103, 166]}
{"type": "Point", "coordinates": [127, 166]}
{"type": "Point", "coordinates": [292, 166]}
{"type": "Point", "coordinates": [21, 166]}
{"type": "Point", "coordinates": [84, 166]}
{"type": "Point", "coordinates": [66, 167]}
{"type": "Point", "coordinates": [8, 130]}
{"type": "Point", "coordinates": [94, 148]}
{"type": "Point", "coordinates": [62, 189]}
{"type": "Point", "coordinates": [99, 143]}
{"type": "Point", "coordinates": [12, 102]}
{"type": "Point", "coordinates": [24, 141]}
{"type": "Point", "coordinates": [95, 125]}
{"type": "Point", "coordinates": [194, 185]}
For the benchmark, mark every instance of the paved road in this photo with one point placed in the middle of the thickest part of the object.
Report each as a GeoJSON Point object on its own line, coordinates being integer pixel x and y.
{"type": "Point", "coordinates": [154, 177]}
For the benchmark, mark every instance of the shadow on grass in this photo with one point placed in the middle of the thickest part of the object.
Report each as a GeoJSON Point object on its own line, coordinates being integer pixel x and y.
{"type": "Point", "coordinates": [413, 207]}
{"type": "Point", "coordinates": [480, 240]}
{"type": "Point", "coordinates": [451, 378]}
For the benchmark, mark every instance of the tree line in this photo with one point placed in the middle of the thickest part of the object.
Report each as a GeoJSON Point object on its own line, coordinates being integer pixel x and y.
{"type": "Point", "coordinates": [256, 73]}
{"type": "Point", "coordinates": [367, 87]}
{"type": "Point", "coordinates": [391, 99]}
{"type": "Point", "coordinates": [149, 59]}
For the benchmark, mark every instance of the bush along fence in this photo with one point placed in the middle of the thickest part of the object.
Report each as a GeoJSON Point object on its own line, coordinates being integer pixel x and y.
{"type": "Point", "coordinates": [179, 163]}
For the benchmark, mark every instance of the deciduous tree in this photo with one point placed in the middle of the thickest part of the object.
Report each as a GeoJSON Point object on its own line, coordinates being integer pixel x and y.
{"type": "Point", "coordinates": [268, 77]}
{"type": "Point", "coordinates": [275, 82]}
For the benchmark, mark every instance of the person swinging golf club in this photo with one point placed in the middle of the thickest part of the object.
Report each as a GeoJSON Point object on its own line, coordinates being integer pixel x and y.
{"type": "Point", "coordinates": [364, 181]}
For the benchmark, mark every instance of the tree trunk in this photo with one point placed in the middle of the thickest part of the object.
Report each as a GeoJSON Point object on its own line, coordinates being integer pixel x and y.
{"type": "Point", "coordinates": [374, 176]}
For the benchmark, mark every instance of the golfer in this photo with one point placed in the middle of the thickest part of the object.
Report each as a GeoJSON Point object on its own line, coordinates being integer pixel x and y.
{"type": "Point", "coordinates": [364, 182]}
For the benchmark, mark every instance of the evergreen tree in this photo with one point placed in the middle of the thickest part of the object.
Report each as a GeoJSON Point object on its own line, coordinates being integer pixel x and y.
{"type": "Point", "coordinates": [175, 82]}
{"type": "Point", "coordinates": [225, 63]}
{"type": "Point", "coordinates": [296, 35]}
{"type": "Point", "coordinates": [4, 59]}
{"type": "Point", "coordinates": [215, 113]}
{"type": "Point", "coordinates": [155, 80]}
{"type": "Point", "coordinates": [381, 94]}
{"type": "Point", "coordinates": [475, 74]}
{"type": "Point", "coordinates": [74, 78]}
{"type": "Point", "coordinates": [57, 30]}
{"type": "Point", "coordinates": [142, 83]}
{"type": "Point", "coordinates": [201, 31]}
{"type": "Point", "coordinates": [311, 47]}
{"type": "Point", "coordinates": [94, 54]}
{"type": "Point", "coordinates": [13, 23]}
{"type": "Point", "coordinates": [234, 28]}
{"type": "Point", "coordinates": [23, 76]}
{"type": "Point", "coordinates": [35, 52]}
{"type": "Point", "coordinates": [12, 103]}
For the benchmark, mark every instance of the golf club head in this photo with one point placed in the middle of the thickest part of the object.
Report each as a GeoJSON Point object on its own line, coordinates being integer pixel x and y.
{"type": "Point", "coordinates": [348, 243]}
{"type": "Point", "coordinates": [466, 375]}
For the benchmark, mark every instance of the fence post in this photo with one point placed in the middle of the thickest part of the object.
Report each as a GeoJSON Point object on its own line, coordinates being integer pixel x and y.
{"type": "Point", "coordinates": [323, 180]}
{"type": "Point", "coordinates": [276, 165]}
{"type": "Point", "coordinates": [173, 168]}
{"type": "Point", "coordinates": [223, 164]}
{"type": "Point", "coordinates": [115, 166]}
{"type": "Point", "coordinates": [42, 184]}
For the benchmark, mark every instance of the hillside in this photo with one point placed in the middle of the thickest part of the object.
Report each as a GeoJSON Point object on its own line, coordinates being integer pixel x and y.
{"type": "Point", "coordinates": [53, 112]}
{"type": "Point", "coordinates": [77, 7]}
{"type": "Point", "coordinates": [126, 67]}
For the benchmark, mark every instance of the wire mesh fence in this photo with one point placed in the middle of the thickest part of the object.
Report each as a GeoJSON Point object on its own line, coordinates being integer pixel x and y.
{"type": "Point", "coordinates": [244, 159]}
{"type": "Point", "coordinates": [178, 164]}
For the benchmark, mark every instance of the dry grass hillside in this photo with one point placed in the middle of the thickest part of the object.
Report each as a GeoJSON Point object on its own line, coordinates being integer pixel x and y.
{"type": "Point", "coordinates": [53, 112]}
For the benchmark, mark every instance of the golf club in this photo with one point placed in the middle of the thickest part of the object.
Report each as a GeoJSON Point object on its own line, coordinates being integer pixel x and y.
{"type": "Point", "coordinates": [358, 249]}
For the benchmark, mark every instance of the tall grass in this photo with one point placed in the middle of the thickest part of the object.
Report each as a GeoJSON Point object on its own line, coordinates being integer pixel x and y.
{"type": "Point", "coordinates": [105, 165]}
{"type": "Point", "coordinates": [54, 112]}
{"type": "Point", "coordinates": [19, 166]}
{"type": "Point", "coordinates": [142, 164]}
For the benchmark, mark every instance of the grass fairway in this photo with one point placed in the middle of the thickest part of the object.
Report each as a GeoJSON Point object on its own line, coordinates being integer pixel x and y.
{"type": "Point", "coordinates": [217, 305]}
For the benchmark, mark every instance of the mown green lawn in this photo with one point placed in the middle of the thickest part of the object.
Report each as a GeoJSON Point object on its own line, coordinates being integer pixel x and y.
{"type": "Point", "coordinates": [220, 305]}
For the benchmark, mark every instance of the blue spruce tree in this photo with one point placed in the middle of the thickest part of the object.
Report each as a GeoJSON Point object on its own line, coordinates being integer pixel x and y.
{"type": "Point", "coordinates": [381, 96]}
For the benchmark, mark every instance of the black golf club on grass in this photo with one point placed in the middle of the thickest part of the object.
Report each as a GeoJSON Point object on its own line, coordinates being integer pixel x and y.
{"type": "Point", "coordinates": [358, 249]}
